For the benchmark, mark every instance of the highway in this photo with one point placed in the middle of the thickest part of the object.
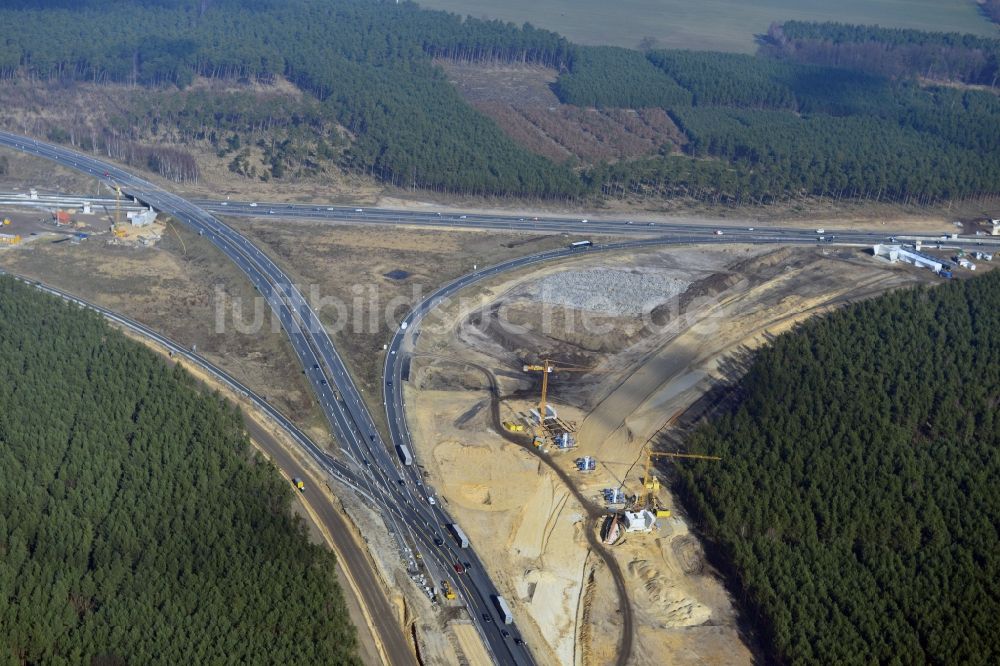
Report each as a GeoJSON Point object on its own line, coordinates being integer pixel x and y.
{"type": "Point", "coordinates": [376, 472]}
{"type": "Point", "coordinates": [414, 523]}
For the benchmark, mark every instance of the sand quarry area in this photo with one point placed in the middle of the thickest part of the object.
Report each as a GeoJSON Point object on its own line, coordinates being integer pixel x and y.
{"type": "Point", "coordinates": [652, 332]}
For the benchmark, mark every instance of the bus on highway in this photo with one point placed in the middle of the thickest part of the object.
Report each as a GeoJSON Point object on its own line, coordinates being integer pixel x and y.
{"type": "Point", "coordinates": [579, 245]}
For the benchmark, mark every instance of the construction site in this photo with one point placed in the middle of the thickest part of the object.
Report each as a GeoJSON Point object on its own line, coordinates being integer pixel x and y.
{"type": "Point", "coordinates": [114, 219]}
{"type": "Point", "coordinates": [548, 411]}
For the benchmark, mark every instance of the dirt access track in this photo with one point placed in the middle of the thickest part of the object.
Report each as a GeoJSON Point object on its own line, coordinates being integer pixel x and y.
{"type": "Point", "coordinates": [656, 329]}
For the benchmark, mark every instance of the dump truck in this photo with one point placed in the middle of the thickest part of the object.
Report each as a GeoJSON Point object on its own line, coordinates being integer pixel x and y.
{"type": "Point", "coordinates": [299, 484]}
{"type": "Point", "coordinates": [463, 540]}
{"type": "Point", "coordinates": [446, 590]}
{"type": "Point", "coordinates": [513, 427]}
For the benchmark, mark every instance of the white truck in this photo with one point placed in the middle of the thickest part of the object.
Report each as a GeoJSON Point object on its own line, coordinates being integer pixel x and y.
{"type": "Point", "coordinates": [463, 540]}
{"type": "Point", "coordinates": [404, 454]}
{"type": "Point", "coordinates": [504, 609]}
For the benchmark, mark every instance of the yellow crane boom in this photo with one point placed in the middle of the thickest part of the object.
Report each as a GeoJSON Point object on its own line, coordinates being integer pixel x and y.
{"type": "Point", "coordinates": [546, 369]}
{"type": "Point", "coordinates": [652, 484]}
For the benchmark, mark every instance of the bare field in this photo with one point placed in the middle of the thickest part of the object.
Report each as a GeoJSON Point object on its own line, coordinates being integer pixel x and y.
{"type": "Point", "coordinates": [705, 309]}
{"type": "Point", "coordinates": [714, 25]}
{"type": "Point", "coordinates": [520, 101]}
{"type": "Point", "coordinates": [343, 270]}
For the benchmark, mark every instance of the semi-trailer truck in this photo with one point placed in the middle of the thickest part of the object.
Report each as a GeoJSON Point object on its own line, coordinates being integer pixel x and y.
{"type": "Point", "coordinates": [504, 609]}
{"type": "Point", "coordinates": [404, 454]}
{"type": "Point", "coordinates": [463, 540]}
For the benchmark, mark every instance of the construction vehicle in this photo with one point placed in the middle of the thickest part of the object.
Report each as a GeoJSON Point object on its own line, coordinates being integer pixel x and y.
{"type": "Point", "coordinates": [513, 427]}
{"type": "Point", "coordinates": [546, 369]}
{"type": "Point", "coordinates": [446, 590]}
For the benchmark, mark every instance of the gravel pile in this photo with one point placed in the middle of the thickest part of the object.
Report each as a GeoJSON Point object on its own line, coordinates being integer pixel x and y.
{"type": "Point", "coordinates": [610, 291]}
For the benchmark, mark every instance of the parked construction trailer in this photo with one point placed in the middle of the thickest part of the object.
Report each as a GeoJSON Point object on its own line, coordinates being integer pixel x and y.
{"type": "Point", "coordinates": [463, 540]}
{"type": "Point", "coordinates": [404, 454]}
{"type": "Point", "coordinates": [504, 609]}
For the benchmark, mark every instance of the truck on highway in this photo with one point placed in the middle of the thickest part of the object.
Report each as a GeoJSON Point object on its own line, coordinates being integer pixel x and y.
{"type": "Point", "coordinates": [503, 608]}
{"type": "Point", "coordinates": [581, 245]}
{"type": "Point", "coordinates": [299, 484]}
{"type": "Point", "coordinates": [463, 540]}
{"type": "Point", "coordinates": [404, 454]}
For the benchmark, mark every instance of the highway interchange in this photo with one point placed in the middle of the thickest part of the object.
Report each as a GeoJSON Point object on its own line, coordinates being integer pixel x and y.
{"type": "Point", "coordinates": [376, 472]}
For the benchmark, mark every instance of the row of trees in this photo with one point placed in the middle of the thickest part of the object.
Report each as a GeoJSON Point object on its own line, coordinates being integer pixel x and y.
{"type": "Point", "coordinates": [891, 52]}
{"type": "Point", "coordinates": [786, 130]}
{"type": "Point", "coordinates": [856, 505]}
{"type": "Point", "coordinates": [368, 68]}
{"type": "Point", "coordinates": [992, 9]}
{"type": "Point", "coordinates": [136, 523]}
{"type": "Point", "coordinates": [367, 63]}
{"type": "Point", "coordinates": [610, 76]}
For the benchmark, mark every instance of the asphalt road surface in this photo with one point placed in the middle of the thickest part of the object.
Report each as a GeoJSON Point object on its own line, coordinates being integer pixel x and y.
{"type": "Point", "coordinates": [415, 524]}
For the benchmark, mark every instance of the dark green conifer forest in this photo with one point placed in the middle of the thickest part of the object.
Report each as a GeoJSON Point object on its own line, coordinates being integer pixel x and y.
{"type": "Point", "coordinates": [824, 110]}
{"type": "Point", "coordinates": [137, 526]}
{"type": "Point", "coordinates": [856, 507]}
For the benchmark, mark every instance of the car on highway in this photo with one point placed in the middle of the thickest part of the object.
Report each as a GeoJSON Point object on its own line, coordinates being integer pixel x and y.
{"type": "Point", "coordinates": [253, 205]}
{"type": "Point", "coordinates": [438, 541]}
{"type": "Point", "coordinates": [459, 569]}
{"type": "Point", "coordinates": [359, 210]}
{"type": "Point", "coordinates": [718, 232]}
{"type": "Point", "coordinates": [487, 617]}
{"type": "Point", "coordinates": [505, 633]}
{"type": "Point", "coordinates": [463, 217]}
{"type": "Point", "coordinates": [749, 228]}
{"type": "Point", "coordinates": [584, 221]}
{"type": "Point", "coordinates": [518, 641]}
{"type": "Point", "coordinates": [652, 224]}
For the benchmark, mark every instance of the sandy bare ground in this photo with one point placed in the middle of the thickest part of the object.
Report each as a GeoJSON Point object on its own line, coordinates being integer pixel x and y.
{"type": "Point", "coordinates": [707, 308]}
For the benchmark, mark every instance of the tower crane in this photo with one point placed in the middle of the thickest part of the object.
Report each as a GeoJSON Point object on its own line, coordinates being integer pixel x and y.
{"type": "Point", "coordinates": [117, 229]}
{"type": "Point", "coordinates": [546, 368]}
{"type": "Point", "coordinates": [651, 483]}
